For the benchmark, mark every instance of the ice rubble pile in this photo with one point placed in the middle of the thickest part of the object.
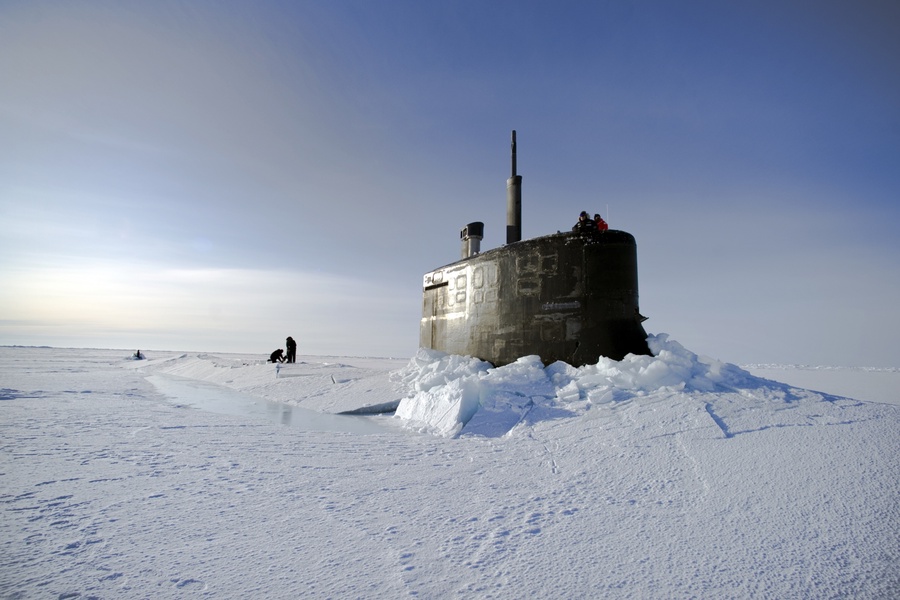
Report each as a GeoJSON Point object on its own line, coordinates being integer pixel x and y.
{"type": "Point", "coordinates": [453, 395]}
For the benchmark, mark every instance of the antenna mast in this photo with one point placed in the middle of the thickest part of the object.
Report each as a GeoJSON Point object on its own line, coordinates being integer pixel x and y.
{"type": "Point", "coordinates": [513, 200]}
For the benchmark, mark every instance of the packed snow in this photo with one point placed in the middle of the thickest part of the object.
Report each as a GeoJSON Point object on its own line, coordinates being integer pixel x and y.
{"type": "Point", "coordinates": [219, 475]}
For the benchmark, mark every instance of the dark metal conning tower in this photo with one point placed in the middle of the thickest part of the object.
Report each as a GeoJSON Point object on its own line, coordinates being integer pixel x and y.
{"type": "Point", "coordinates": [564, 296]}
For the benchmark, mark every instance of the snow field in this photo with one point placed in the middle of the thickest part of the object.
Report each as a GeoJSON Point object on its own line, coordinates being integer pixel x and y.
{"type": "Point", "coordinates": [656, 477]}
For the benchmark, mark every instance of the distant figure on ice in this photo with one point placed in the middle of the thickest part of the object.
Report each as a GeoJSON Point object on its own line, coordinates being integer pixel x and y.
{"type": "Point", "coordinates": [277, 356]}
{"type": "Point", "coordinates": [291, 350]}
{"type": "Point", "coordinates": [584, 224]}
{"type": "Point", "coordinates": [601, 224]}
{"type": "Point", "coordinates": [137, 355]}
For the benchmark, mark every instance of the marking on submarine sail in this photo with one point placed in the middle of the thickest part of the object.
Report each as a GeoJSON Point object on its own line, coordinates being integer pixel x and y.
{"type": "Point", "coordinates": [561, 305]}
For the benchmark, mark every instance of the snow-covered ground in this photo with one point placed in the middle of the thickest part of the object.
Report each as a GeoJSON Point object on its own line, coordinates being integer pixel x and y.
{"type": "Point", "coordinates": [198, 475]}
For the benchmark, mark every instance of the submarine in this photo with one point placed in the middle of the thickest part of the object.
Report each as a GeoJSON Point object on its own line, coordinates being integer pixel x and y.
{"type": "Point", "coordinates": [570, 297]}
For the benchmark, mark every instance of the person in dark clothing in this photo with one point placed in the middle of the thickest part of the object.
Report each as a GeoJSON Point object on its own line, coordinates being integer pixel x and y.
{"type": "Point", "coordinates": [277, 356]}
{"type": "Point", "coordinates": [291, 350]}
{"type": "Point", "coordinates": [585, 224]}
{"type": "Point", "coordinates": [601, 224]}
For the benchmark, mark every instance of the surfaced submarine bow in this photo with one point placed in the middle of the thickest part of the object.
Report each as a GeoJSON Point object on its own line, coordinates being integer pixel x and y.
{"type": "Point", "coordinates": [566, 296]}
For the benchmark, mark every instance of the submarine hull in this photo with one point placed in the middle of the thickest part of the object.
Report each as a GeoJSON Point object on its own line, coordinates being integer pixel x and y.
{"type": "Point", "coordinates": [565, 297]}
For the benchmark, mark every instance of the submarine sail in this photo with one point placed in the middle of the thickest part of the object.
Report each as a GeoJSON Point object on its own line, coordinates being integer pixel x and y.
{"type": "Point", "coordinates": [566, 296]}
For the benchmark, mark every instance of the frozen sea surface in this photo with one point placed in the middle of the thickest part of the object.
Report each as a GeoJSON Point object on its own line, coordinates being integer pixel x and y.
{"type": "Point", "coordinates": [216, 398]}
{"type": "Point", "coordinates": [667, 477]}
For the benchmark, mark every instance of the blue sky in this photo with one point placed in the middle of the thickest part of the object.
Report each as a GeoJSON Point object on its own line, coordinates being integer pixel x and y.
{"type": "Point", "coordinates": [219, 175]}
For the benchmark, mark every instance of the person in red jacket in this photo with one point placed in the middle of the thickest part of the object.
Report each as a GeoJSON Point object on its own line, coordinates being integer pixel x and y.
{"type": "Point", "coordinates": [601, 224]}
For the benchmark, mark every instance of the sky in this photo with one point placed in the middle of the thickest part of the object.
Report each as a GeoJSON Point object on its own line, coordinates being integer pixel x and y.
{"type": "Point", "coordinates": [220, 175]}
